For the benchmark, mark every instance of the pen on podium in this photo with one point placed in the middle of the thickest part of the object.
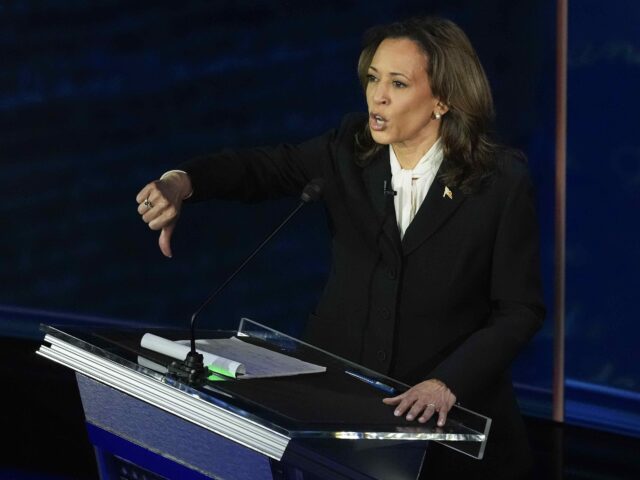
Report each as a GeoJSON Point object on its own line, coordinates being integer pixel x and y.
{"type": "Point", "coordinates": [372, 381]}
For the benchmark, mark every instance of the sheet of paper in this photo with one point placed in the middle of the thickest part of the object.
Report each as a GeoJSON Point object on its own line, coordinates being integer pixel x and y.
{"type": "Point", "coordinates": [259, 362]}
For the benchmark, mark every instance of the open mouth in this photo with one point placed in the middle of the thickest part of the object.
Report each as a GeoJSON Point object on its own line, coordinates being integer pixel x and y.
{"type": "Point", "coordinates": [377, 122]}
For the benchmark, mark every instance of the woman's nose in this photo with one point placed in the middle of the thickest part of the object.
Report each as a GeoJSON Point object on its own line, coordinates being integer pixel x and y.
{"type": "Point", "coordinates": [380, 95]}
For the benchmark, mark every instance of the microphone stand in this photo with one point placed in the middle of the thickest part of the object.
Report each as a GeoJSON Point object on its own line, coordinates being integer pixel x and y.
{"type": "Point", "coordinates": [192, 370]}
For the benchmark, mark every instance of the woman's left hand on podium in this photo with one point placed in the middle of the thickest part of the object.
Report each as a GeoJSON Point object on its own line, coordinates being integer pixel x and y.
{"type": "Point", "coordinates": [423, 400]}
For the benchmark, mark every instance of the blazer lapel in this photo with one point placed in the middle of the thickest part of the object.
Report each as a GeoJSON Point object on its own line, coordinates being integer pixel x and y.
{"type": "Point", "coordinates": [374, 177]}
{"type": "Point", "coordinates": [439, 204]}
{"type": "Point", "coordinates": [358, 202]}
{"type": "Point", "coordinates": [366, 201]}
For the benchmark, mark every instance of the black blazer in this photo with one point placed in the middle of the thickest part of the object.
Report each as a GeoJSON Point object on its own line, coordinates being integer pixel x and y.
{"type": "Point", "coordinates": [456, 299]}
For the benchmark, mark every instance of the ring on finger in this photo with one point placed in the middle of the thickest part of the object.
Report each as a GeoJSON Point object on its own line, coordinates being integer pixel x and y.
{"type": "Point", "coordinates": [147, 203]}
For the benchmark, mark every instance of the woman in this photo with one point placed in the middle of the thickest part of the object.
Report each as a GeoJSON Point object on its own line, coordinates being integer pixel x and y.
{"type": "Point", "coordinates": [434, 277]}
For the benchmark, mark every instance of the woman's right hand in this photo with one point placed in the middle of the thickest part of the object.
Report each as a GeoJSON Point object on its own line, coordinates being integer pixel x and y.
{"type": "Point", "coordinates": [160, 202]}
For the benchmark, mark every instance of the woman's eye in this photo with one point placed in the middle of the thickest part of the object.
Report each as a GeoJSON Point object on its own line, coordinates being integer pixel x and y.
{"type": "Point", "coordinates": [371, 78]}
{"type": "Point", "coordinates": [399, 84]}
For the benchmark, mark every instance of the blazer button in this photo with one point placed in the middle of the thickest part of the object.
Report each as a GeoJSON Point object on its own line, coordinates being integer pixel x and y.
{"type": "Point", "coordinates": [384, 312]}
{"type": "Point", "coordinates": [392, 273]}
{"type": "Point", "coordinates": [382, 355]}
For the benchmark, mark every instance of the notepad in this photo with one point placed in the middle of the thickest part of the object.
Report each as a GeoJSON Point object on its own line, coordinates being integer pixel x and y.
{"type": "Point", "coordinates": [233, 357]}
{"type": "Point", "coordinates": [259, 362]}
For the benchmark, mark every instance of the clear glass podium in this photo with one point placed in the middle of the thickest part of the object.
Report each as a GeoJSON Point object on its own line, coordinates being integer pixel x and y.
{"type": "Point", "coordinates": [321, 425]}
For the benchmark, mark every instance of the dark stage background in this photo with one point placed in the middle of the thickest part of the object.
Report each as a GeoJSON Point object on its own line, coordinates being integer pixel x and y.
{"type": "Point", "coordinates": [98, 98]}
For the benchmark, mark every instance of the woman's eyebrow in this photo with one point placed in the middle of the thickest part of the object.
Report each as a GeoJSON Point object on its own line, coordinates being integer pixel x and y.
{"type": "Point", "coordinates": [371, 67]}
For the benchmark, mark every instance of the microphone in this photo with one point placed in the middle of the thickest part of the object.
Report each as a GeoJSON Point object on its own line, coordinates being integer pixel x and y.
{"type": "Point", "coordinates": [387, 191]}
{"type": "Point", "coordinates": [192, 369]}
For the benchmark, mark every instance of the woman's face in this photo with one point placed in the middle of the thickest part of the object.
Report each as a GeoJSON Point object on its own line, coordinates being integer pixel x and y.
{"type": "Point", "coordinates": [399, 95]}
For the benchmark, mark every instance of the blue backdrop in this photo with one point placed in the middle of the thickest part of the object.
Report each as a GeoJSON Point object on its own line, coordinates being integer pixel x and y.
{"type": "Point", "coordinates": [603, 234]}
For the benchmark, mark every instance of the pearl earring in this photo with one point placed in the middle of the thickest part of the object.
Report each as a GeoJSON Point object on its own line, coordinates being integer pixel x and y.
{"type": "Point", "coordinates": [437, 115]}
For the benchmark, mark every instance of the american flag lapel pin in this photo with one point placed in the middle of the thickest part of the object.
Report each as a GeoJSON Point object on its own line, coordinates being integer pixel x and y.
{"type": "Point", "coordinates": [448, 193]}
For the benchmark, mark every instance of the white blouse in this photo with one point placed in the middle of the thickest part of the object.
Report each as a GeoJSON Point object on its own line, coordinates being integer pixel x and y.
{"type": "Point", "coordinates": [412, 185]}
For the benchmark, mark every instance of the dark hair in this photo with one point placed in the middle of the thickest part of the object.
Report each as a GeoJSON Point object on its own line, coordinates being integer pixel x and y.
{"type": "Point", "coordinates": [456, 79]}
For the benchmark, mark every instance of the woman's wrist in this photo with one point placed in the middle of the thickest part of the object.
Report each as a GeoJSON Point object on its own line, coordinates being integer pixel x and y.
{"type": "Point", "coordinates": [182, 180]}
{"type": "Point", "coordinates": [439, 382]}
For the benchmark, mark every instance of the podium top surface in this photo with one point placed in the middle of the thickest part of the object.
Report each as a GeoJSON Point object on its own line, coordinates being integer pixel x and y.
{"type": "Point", "coordinates": [333, 404]}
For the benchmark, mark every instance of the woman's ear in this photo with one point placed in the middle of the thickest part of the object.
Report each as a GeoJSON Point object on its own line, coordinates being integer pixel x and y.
{"type": "Point", "coordinates": [441, 108]}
